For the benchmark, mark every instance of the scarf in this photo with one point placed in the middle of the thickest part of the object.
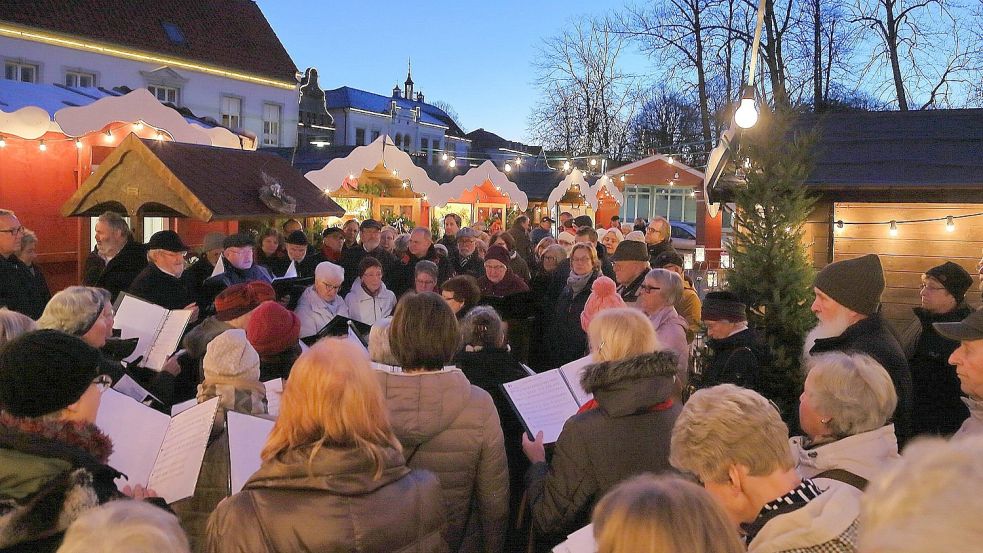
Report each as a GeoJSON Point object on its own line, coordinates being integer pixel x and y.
{"type": "Point", "coordinates": [578, 283]}
{"type": "Point", "coordinates": [795, 499]}
{"type": "Point", "coordinates": [84, 436]}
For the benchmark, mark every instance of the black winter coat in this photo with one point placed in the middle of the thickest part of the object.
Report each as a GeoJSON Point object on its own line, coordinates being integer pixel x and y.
{"type": "Point", "coordinates": [213, 286]}
{"type": "Point", "coordinates": [470, 265]}
{"type": "Point", "coordinates": [160, 288]}
{"type": "Point", "coordinates": [195, 275]}
{"type": "Point", "coordinates": [22, 289]}
{"type": "Point", "coordinates": [567, 340]}
{"type": "Point", "coordinates": [737, 359]}
{"type": "Point", "coordinates": [626, 434]}
{"type": "Point", "coordinates": [117, 275]}
{"type": "Point", "coordinates": [872, 337]}
{"type": "Point", "coordinates": [937, 398]}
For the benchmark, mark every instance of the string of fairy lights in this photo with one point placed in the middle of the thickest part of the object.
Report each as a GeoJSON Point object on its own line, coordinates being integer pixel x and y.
{"type": "Point", "coordinates": [894, 225]}
{"type": "Point", "coordinates": [108, 136]}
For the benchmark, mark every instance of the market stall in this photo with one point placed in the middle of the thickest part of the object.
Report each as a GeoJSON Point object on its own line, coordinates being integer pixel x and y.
{"type": "Point", "coordinates": [572, 194]}
{"type": "Point", "coordinates": [606, 198]}
{"type": "Point", "coordinates": [483, 194]}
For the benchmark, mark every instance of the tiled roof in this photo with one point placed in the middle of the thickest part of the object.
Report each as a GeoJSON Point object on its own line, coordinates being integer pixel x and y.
{"type": "Point", "coordinates": [232, 34]}
{"type": "Point", "coordinates": [902, 152]}
{"type": "Point", "coordinates": [485, 140]}
{"type": "Point", "coordinates": [348, 97]}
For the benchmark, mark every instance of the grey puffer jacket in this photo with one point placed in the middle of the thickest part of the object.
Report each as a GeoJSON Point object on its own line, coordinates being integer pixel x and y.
{"type": "Point", "coordinates": [331, 504]}
{"type": "Point", "coordinates": [451, 428]}
{"type": "Point", "coordinates": [626, 434]}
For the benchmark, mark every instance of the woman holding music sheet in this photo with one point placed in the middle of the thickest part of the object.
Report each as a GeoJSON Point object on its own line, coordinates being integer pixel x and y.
{"type": "Point", "coordinates": [320, 303]}
{"type": "Point", "coordinates": [623, 431]}
{"type": "Point", "coordinates": [334, 476]}
{"type": "Point", "coordinates": [52, 456]}
{"type": "Point", "coordinates": [446, 424]}
{"type": "Point", "coordinates": [86, 312]}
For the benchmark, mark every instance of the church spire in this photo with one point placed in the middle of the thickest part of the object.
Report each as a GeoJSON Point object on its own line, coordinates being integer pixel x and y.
{"type": "Point", "coordinates": [408, 88]}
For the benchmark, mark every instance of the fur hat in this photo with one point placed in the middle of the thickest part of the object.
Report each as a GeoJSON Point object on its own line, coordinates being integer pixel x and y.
{"type": "Point", "coordinates": [603, 295]}
{"type": "Point", "coordinates": [44, 371]}
{"type": "Point", "coordinates": [856, 284]}
{"type": "Point", "coordinates": [272, 328]}
{"type": "Point", "coordinates": [230, 355]}
{"type": "Point", "coordinates": [723, 306]}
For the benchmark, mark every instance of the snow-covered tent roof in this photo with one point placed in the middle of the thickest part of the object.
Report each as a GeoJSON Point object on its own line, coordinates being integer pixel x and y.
{"type": "Point", "coordinates": [576, 177]}
{"type": "Point", "coordinates": [475, 177]}
{"type": "Point", "coordinates": [30, 110]}
{"type": "Point", "coordinates": [605, 183]}
{"type": "Point", "coordinates": [365, 158]}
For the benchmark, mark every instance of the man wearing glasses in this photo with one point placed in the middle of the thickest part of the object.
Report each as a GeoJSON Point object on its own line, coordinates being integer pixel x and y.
{"type": "Point", "coordinates": [16, 290]}
{"type": "Point", "coordinates": [658, 237]}
{"type": "Point", "coordinates": [937, 406]}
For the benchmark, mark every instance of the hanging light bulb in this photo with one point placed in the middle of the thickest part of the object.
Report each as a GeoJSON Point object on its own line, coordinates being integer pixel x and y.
{"type": "Point", "coordinates": [893, 231]}
{"type": "Point", "coordinates": [443, 157]}
{"type": "Point", "coordinates": [692, 194]}
{"type": "Point", "coordinates": [747, 114]}
{"type": "Point", "coordinates": [406, 184]}
{"type": "Point", "coordinates": [78, 143]}
{"type": "Point", "coordinates": [518, 161]}
{"type": "Point", "coordinates": [109, 135]}
{"type": "Point", "coordinates": [622, 178]}
{"type": "Point", "coordinates": [395, 172]}
{"type": "Point", "coordinates": [950, 226]}
{"type": "Point", "coordinates": [42, 146]}
{"type": "Point", "coordinates": [508, 167]}
{"type": "Point", "coordinates": [453, 163]}
{"type": "Point", "coordinates": [159, 135]}
{"type": "Point", "coordinates": [138, 126]}
{"type": "Point", "coordinates": [671, 160]}
{"type": "Point", "coordinates": [3, 142]}
{"type": "Point", "coordinates": [566, 165]}
{"type": "Point", "coordinates": [351, 176]}
{"type": "Point", "coordinates": [593, 163]}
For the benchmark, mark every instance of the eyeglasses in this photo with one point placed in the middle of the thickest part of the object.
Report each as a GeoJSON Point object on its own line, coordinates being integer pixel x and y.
{"type": "Point", "coordinates": [648, 288]}
{"type": "Point", "coordinates": [14, 231]}
{"type": "Point", "coordinates": [428, 281]}
{"type": "Point", "coordinates": [924, 286]}
{"type": "Point", "coordinates": [330, 286]}
{"type": "Point", "coordinates": [550, 258]}
{"type": "Point", "coordinates": [102, 382]}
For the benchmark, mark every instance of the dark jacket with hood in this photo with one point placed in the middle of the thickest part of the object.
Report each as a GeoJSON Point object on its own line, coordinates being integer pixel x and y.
{"type": "Point", "coordinates": [737, 359]}
{"type": "Point", "coordinates": [51, 472]}
{"type": "Point", "coordinates": [333, 503]}
{"type": "Point", "coordinates": [872, 337]}
{"type": "Point", "coordinates": [626, 434]}
{"type": "Point", "coordinates": [117, 275]}
{"type": "Point", "coordinates": [937, 406]}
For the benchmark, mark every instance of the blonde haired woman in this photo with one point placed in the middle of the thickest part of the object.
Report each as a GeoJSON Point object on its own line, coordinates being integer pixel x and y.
{"type": "Point", "coordinates": [662, 514]}
{"type": "Point", "coordinates": [333, 476]}
{"type": "Point", "coordinates": [623, 431]}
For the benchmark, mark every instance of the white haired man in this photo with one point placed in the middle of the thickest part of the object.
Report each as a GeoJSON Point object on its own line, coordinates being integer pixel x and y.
{"type": "Point", "coordinates": [117, 258]}
{"type": "Point", "coordinates": [848, 299]}
{"type": "Point", "coordinates": [734, 441]}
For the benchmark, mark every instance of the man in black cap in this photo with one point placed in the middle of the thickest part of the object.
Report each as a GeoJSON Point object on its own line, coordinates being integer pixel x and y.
{"type": "Point", "coordinates": [689, 305]}
{"type": "Point", "coordinates": [237, 266]}
{"type": "Point", "coordinates": [739, 352]}
{"type": "Point", "coordinates": [332, 242]}
{"type": "Point", "coordinates": [370, 241]}
{"type": "Point", "coordinates": [848, 301]}
{"type": "Point", "coordinates": [304, 257]}
{"type": "Point", "coordinates": [160, 282]}
{"type": "Point", "coordinates": [52, 457]}
{"type": "Point", "coordinates": [544, 229]}
{"type": "Point", "coordinates": [938, 407]}
{"type": "Point", "coordinates": [968, 359]}
{"type": "Point", "coordinates": [631, 264]}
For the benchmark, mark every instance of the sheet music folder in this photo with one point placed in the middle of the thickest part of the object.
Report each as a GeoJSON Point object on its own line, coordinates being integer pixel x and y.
{"type": "Point", "coordinates": [158, 330]}
{"type": "Point", "coordinates": [339, 326]}
{"type": "Point", "coordinates": [546, 400]}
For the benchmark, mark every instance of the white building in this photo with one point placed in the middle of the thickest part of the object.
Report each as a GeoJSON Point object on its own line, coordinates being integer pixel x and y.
{"type": "Point", "coordinates": [224, 62]}
{"type": "Point", "coordinates": [417, 127]}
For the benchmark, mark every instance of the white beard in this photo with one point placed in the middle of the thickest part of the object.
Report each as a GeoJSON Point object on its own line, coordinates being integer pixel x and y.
{"type": "Point", "coordinates": [826, 329]}
{"type": "Point", "coordinates": [369, 246]}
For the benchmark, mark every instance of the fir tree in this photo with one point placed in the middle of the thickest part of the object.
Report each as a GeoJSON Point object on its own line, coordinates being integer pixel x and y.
{"type": "Point", "coordinates": [772, 272]}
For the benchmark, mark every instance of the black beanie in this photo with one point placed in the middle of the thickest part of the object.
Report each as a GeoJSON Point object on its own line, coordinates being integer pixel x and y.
{"type": "Point", "coordinates": [723, 306]}
{"type": "Point", "coordinates": [953, 277]}
{"type": "Point", "coordinates": [856, 284]}
{"type": "Point", "coordinates": [44, 371]}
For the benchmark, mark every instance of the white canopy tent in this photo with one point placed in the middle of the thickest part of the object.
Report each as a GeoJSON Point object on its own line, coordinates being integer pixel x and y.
{"type": "Point", "coordinates": [333, 176]}
{"type": "Point", "coordinates": [474, 178]}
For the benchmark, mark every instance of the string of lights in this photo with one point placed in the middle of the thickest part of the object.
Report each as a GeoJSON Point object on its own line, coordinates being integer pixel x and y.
{"type": "Point", "coordinates": [893, 225]}
{"type": "Point", "coordinates": [43, 143]}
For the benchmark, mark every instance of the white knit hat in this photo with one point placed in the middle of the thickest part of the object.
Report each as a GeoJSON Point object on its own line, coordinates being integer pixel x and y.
{"type": "Point", "coordinates": [230, 355]}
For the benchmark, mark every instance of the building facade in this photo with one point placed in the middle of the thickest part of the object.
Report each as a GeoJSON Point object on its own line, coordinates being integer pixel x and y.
{"type": "Point", "coordinates": [222, 61]}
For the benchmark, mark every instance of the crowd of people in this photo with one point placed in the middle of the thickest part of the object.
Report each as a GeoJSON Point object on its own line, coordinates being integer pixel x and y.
{"type": "Point", "coordinates": [412, 444]}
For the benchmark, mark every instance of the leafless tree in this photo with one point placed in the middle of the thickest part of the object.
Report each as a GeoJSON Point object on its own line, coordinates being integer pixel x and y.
{"type": "Point", "coordinates": [587, 99]}
{"type": "Point", "coordinates": [669, 122]}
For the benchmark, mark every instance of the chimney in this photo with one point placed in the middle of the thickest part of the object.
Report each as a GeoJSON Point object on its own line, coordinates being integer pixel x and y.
{"type": "Point", "coordinates": [419, 97]}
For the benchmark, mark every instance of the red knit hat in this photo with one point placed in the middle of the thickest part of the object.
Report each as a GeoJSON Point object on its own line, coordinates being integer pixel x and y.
{"type": "Point", "coordinates": [239, 299]}
{"type": "Point", "coordinates": [272, 328]}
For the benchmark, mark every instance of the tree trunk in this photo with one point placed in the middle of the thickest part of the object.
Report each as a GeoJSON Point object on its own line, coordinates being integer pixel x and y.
{"type": "Point", "coordinates": [817, 56]}
{"type": "Point", "coordinates": [701, 78]}
{"type": "Point", "coordinates": [892, 47]}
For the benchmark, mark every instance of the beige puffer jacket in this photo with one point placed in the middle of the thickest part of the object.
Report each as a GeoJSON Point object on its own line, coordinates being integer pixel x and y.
{"type": "Point", "coordinates": [451, 428]}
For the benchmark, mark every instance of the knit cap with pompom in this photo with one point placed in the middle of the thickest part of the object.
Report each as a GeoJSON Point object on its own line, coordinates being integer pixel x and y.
{"type": "Point", "coordinates": [603, 295]}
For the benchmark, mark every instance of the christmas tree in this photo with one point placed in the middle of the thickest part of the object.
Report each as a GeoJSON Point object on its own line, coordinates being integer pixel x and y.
{"type": "Point", "coordinates": [772, 273]}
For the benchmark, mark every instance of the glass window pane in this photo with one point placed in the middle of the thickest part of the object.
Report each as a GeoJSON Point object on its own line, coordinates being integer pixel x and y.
{"type": "Point", "coordinates": [661, 203]}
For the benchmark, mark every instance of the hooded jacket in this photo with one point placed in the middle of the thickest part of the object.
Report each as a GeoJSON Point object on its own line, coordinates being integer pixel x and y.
{"type": "Point", "coordinates": [451, 428]}
{"type": "Point", "coordinates": [827, 524]}
{"type": "Point", "coordinates": [369, 309]}
{"type": "Point", "coordinates": [627, 434]}
{"type": "Point", "coordinates": [872, 337]}
{"type": "Point", "coordinates": [332, 504]}
{"type": "Point", "coordinates": [314, 312]}
{"type": "Point", "coordinates": [866, 454]}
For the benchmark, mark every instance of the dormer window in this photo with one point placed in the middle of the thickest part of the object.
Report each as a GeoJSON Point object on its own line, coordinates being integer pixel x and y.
{"type": "Point", "coordinates": [173, 32]}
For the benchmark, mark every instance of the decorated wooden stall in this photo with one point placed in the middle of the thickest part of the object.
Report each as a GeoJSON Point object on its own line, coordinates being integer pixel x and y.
{"type": "Point", "coordinates": [484, 194]}
{"type": "Point", "coordinates": [571, 194]}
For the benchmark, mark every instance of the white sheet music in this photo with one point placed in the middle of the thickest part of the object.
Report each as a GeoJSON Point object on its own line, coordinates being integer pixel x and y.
{"type": "Point", "coordinates": [291, 271]}
{"type": "Point", "coordinates": [274, 390]}
{"type": "Point", "coordinates": [136, 318]}
{"type": "Point", "coordinates": [247, 436]}
{"type": "Point", "coordinates": [179, 408]}
{"type": "Point", "coordinates": [572, 372]}
{"type": "Point", "coordinates": [129, 387]}
{"type": "Point", "coordinates": [581, 541]}
{"type": "Point", "coordinates": [176, 469]}
{"type": "Point", "coordinates": [219, 267]}
{"type": "Point", "coordinates": [544, 402]}
{"type": "Point", "coordinates": [168, 339]}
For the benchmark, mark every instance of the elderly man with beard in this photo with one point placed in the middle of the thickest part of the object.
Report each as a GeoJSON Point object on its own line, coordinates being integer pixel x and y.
{"type": "Point", "coordinates": [464, 258]}
{"type": "Point", "coordinates": [370, 246]}
{"type": "Point", "coordinates": [848, 299]}
{"type": "Point", "coordinates": [117, 258]}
